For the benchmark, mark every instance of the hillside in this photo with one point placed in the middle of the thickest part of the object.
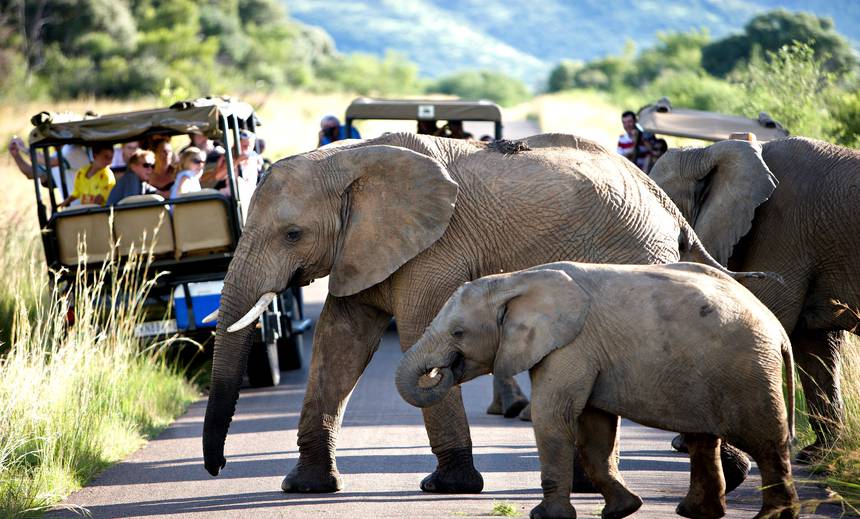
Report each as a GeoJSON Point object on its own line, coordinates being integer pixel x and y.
{"type": "Point", "coordinates": [526, 39]}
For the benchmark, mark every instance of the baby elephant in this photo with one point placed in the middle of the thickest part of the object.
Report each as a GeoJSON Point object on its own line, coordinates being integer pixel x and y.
{"type": "Point", "coordinates": [680, 347]}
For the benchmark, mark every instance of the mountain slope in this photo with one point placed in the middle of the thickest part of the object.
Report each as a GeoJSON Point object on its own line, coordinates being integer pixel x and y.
{"type": "Point", "coordinates": [526, 39]}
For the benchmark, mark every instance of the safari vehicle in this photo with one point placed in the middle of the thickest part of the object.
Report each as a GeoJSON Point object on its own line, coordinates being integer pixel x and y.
{"type": "Point", "coordinates": [192, 237]}
{"type": "Point", "coordinates": [664, 119]}
{"type": "Point", "coordinates": [365, 108]}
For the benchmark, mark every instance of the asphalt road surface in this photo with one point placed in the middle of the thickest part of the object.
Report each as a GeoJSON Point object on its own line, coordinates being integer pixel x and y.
{"type": "Point", "coordinates": [383, 453]}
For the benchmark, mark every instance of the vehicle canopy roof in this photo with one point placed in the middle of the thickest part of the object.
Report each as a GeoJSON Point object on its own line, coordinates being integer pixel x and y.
{"type": "Point", "coordinates": [185, 117]}
{"type": "Point", "coordinates": [423, 109]}
{"type": "Point", "coordinates": [661, 117]}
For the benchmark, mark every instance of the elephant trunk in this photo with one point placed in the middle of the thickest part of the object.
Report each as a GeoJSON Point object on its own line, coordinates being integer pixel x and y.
{"type": "Point", "coordinates": [241, 287]}
{"type": "Point", "coordinates": [424, 377]}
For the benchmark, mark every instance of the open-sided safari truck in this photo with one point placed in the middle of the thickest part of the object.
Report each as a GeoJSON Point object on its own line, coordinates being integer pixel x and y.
{"type": "Point", "coordinates": [192, 237]}
{"type": "Point", "coordinates": [664, 119]}
{"type": "Point", "coordinates": [429, 110]}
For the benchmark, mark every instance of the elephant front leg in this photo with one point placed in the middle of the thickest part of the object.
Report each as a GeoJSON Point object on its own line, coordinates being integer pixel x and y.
{"type": "Point", "coordinates": [554, 437]}
{"type": "Point", "coordinates": [818, 356]}
{"type": "Point", "coordinates": [448, 431]}
{"type": "Point", "coordinates": [345, 339]}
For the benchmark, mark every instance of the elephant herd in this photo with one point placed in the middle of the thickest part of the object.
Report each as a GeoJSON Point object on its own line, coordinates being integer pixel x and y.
{"type": "Point", "coordinates": [400, 222]}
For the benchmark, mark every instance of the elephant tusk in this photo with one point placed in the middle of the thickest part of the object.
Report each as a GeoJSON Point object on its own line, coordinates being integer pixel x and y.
{"type": "Point", "coordinates": [254, 313]}
{"type": "Point", "coordinates": [433, 373]}
{"type": "Point", "coordinates": [211, 317]}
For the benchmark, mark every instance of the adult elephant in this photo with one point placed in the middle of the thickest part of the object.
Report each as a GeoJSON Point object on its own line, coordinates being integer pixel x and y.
{"type": "Point", "coordinates": [789, 206]}
{"type": "Point", "coordinates": [398, 223]}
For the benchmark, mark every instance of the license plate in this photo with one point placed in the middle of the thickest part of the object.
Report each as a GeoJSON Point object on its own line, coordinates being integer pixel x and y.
{"type": "Point", "coordinates": [155, 328]}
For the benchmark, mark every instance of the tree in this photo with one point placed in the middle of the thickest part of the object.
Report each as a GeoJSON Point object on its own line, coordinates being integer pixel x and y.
{"type": "Point", "coordinates": [771, 31]}
{"type": "Point", "coordinates": [563, 76]}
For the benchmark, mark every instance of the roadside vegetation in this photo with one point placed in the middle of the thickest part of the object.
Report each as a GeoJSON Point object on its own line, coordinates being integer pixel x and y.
{"type": "Point", "coordinates": [73, 398]}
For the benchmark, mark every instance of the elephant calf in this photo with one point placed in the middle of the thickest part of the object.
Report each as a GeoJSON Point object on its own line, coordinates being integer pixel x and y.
{"type": "Point", "coordinates": [681, 347]}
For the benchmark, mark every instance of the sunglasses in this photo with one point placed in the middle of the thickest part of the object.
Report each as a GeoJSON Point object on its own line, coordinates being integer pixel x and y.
{"type": "Point", "coordinates": [148, 164]}
{"type": "Point", "coordinates": [198, 161]}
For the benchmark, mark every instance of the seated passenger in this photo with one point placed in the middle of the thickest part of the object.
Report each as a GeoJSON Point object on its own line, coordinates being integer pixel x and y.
{"type": "Point", "coordinates": [93, 183]}
{"type": "Point", "coordinates": [136, 180]}
{"type": "Point", "coordinates": [657, 150]}
{"type": "Point", "coordinates": [427, 128]}
{"type": "Point", "coordinates": [191, 163]}
{"type": "Point", "coordinates": [249, 163]}
{"type": "Point", "coordinates": [122, 154]}
{"type": "Point", "coordinates": [331, 130]}
{"type": "Point", "coordinates": [201, 142]}
{"type": "Point", "coordinates": [164, 172]}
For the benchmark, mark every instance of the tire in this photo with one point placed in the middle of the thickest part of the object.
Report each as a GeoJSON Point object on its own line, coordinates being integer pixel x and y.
{"type": "Point", "coordinates": [290, 347]}
{"type": "Point", "coordinates": [263, 369]}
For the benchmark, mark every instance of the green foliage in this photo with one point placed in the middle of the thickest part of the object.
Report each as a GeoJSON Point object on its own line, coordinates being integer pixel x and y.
{"type": "Point", "coordinates": [773, 30]}
{"type": "Point", "coordinates": [690, 89]}
{"type": "Point", "coordinates": [368, 75]}
{"type": "Point", "coordinates": [793, 86]}
{"type": "Point", "coordinates": [122, 48]}
{"type": "Point", "coordinates": [482, 84]}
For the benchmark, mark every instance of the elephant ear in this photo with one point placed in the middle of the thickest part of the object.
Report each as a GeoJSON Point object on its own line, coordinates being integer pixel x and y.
{"type": "Point", "coordinates": [395, 203]}
{"type": "Point", "coordinates": [539, 312]}
{"type": "Point", "coordinates": [718, 189]}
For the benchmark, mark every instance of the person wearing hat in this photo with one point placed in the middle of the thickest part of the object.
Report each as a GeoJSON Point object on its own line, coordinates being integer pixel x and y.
{"type": "Point", "coordinates": [331, 130]}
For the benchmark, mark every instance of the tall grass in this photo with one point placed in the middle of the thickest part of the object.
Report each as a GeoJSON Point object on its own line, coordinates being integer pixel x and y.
{"type": "Point", "coordinates": [74, 398]}
{"type": "Point", "coordinates": [841, 464]}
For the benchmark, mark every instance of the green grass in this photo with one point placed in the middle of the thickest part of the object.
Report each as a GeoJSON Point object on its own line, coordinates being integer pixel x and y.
{"type": "Point", "coordinates": [504, 509]}
{"type": "Point", "coordinates": [74, 399]}
{"type": "Point", "coordinates": [840, 466]}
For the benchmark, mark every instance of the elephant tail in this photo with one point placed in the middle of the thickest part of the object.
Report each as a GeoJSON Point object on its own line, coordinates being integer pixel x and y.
{"type": "Point", "coordinates": [691, 249]}
{"type": "Point", "coordinates": [788, 361]}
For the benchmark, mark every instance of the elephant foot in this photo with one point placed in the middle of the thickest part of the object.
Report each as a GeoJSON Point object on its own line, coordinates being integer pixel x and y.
{"type": "Point", "coordinates": [736, 466]}
{"type": "Point", "coordinates": [561, 509]}
{"type": "Point", "coordinates": [526, 413]}
{"type": "Point", "coordinates": [811, 454]}
{"type": "Point", "coordinates": [621, 507]}
{"type": "Point", "coordinates": [515, 407]}
{"type": "Point", "coordinates": [508, 398]}
{"type": "Point", "coordinates": [712, 510]}
{"type": "Point", "coordinates": [308, 479]}
{"type": "Point", "coordinates": [680, 444]}
{"type": "Point", "coordinates": [455, 474]}
{"type": "Point", "coordinates": [581, 484]}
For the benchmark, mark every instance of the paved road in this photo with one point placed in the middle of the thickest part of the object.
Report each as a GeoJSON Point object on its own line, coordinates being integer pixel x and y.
{"type": "Point", "coordinates": [382, 454]}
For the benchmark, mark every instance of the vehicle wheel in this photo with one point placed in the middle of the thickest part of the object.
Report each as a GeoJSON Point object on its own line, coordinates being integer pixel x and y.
{"type": "Point", "coordinates": [263, 369]}
{"type": "Point", "coordinates": [290, 347]}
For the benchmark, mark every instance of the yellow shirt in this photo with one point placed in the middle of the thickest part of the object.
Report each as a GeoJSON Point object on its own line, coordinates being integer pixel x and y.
{"type": "Point", "coordinates": [88, 188]}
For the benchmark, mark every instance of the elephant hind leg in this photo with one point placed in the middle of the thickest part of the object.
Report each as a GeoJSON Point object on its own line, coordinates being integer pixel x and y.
{"type": "Point", "coordinates": [508, 398]}
{"type": "Point", "coordinates": [706, 497]}
{"type": "Point", "coordinates": [817, 354]}
{"type": "Point", "coordinates": [596, 442]}
{"type": "Point", "coordinates": [779, 497]}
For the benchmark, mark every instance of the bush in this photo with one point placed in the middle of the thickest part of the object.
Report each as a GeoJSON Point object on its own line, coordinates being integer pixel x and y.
{"type": "Point", "coordinates": [483, 84]}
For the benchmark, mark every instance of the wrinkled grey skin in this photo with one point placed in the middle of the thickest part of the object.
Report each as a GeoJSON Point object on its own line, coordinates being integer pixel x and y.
{"type": "Point", "coordinates": [792, 207]}
{"type": "Point", "coordinates": [681, 347]}
{"type": "Point", "coordinates": [399, 222]}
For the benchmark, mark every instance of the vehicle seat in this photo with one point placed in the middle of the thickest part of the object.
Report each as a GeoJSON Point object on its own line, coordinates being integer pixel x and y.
{"type": "Point", "coordinates": [201, 225]}
{"type": "Point", "coordinates": [91, 228]}
{"type": "Point", "coordinates": [143, 227]}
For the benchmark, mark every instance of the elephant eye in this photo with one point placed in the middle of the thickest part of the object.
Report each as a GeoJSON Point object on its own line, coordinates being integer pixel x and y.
{"type": "Point", "coordinates": [294, 234]}
{"type": "Point", "coordinates": [457, 334]}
